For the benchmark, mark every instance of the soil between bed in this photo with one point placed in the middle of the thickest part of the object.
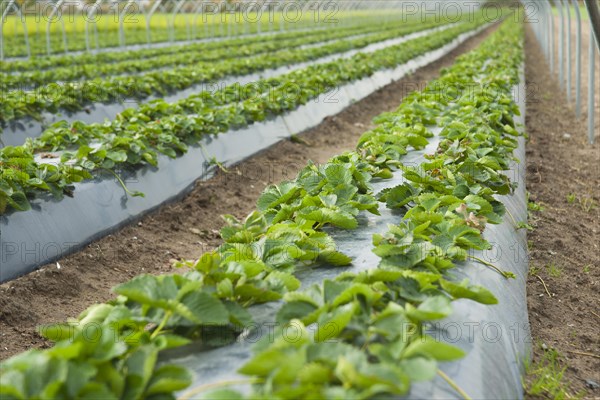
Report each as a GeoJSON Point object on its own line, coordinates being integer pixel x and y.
{"type": "Point", "coordinates": [564, 251]}
{"type": "Point", "coordinates": [190, 227]}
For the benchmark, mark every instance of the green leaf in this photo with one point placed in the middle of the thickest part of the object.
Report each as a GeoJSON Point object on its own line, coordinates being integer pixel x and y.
{"type": "Point", "coordinates": [205, 308]}
{"type": "Point", "coordinates": [314, 373]}
{"type": "Point", "coordinates": [340, 219]}
{"type": "Point", "coordinates": [117, 156]}
{"type": "Point", "coordinates": [338, 174]}
{"type": "Point", "coordinates": [399, 196]}
{"type": "Point", "coordinates": [335, 258]}
{"type": "Point", "coordinates": [436, 307]}
{"type": "Point", "coordinates": [149, 289]}
{"type": "Point", "coordinates": [419, 369]}
{"type": "Point", "coordinates": [429, 347]}
{"type": "Point", "coordinates": [19, 201]}
{"type": "Point", "coordinates": [238, 315]}
{"type": "Point", "coordinates": [168, 379]}
{"type": "Point", "coordinates": [466, 291]}
{"type": "Point", "coordinates": [332, 324]}
{"type": "Point", "coordinates": [139, 366]}
{"type": "Point", "coordinates": [294, 310]}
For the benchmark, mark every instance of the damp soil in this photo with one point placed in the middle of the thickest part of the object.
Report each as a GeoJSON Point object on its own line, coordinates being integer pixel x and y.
{"type": "Point", "coordinates": [189, 227]}
{"type": "Point", "coordinates": [563, 175]}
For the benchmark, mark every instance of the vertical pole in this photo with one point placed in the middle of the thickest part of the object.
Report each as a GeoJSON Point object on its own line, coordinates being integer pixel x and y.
{"type": "Point", "coordinates": [121, 21]}
{"type": "Point", "coordinates": [542, 29]}
{"type": "Point", "coordinates": [155, 6]}
{"type": "Point", "coordinates": [221, 22]}
{"type": "Point", "coordinates": [96, 36]}
{"type": "Point", "coordinates": [50, 18]}
{"type": "Point", "coordinates": [2, 21]}
{"type": "Point", "coordinates": [538, 26]}
{"type": "Point", "coordinates": [174, 13]}
{"type": "Point", "coordinates": [591, 86]}
{"type": "Point", "coordinates": [577, 60]}
{"type": "Point", "coordinates": [561, 47]}
{"type": "Point", "coordinates": [568, 38]}
{"type": "Point", "coordinates": [64, 35]}
{"type": "Point", "coordinates": [195, 20]}
{"type": "Point", "coordinates": [22, 17]}
{"type": "Point", "coordinates": [551, 31]}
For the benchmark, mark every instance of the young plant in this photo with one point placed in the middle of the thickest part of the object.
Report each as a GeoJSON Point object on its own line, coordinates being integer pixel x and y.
{"type": "Point", "coordinates": [545, 377]}
{"type": "Point", "coordinates": [554, 270]}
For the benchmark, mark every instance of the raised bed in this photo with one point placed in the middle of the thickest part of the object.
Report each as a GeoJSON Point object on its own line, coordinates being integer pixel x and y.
{"type": "Point", "coordinates": [495, 338]}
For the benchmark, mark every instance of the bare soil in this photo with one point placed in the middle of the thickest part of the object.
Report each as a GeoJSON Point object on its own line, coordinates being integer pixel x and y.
{"type": "Point", "coordinates": [187, 228]}
{"type": "Point", "coordinates": [563, 175]}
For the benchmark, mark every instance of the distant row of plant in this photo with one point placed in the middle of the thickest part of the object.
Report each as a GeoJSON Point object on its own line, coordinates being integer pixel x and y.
{"type": "Point", "coordinates": [63, 60]}
{"type": "Point", "coordinates": [447, 202]}
{"type": "Point", "coordinates": [14, 45]}
{"type": "Point", "coordinates": [176, 56]}
{"type": "Point", "coordinates": [75, 96]}
{"type": "Point", "coordinates": [138, 136]}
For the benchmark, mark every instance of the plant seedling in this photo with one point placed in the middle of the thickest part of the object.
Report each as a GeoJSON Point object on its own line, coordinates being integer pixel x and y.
{"type": "Point", "coordinates": [554, 270]}
{"type": "Point", "coordinates": [586, 269]}
{"type": "Point", "coordinates": [546, 378]}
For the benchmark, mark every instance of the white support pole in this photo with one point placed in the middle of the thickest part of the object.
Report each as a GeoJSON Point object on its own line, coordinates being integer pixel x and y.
{"type": "Point", "coordinates": [197, 12]}
{"type": "Point", "coordinates": [591, 86]}
{"type": "Point", "coordinates": [157, 4]}
{"type": "Point", "coordinates": [2, 21]}
{"type": "Point", "coordinates": [176, 10]}
{"type": "Point", "coordinates": [91, 14]}
{"type": "Point", "coordinates": [561, 46]}
{"type": "Point", "coordinates": [121, 21]}
{"type": "Point", "coordinates": [551, 30]}
{"type": "Point", "coordinates": [568, 39]}
{"type": "Point", "coordinates": [50, 18]}
{"type": "Point", "coordinates": [577, 60]}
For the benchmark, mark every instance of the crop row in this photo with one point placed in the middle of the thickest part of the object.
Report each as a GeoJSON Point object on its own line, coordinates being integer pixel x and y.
{"type": "Point", "coordinates": [110, 39]}
{"type": "Point", "coordinates": [186, 56]}
{"type": "Point", "coordinates": [446, 202]}
{"type": "Point", "coordinates": [136, 137]}
{"type": "Point", "coordinates": [57, 61]}
{"type": "Point", "coordinates": [75, 96]}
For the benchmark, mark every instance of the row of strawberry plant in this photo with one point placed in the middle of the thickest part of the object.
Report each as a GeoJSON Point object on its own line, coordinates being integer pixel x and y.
{"type": "Point", "coordinates": [116, 55]}
{"type": "Point", "coordinates": [235, 105]}
{"type": "Point", "coordinates": [15, 46]}
{"type": "Point", "coordinates": [64, 60]}
{"type": "Point", "coordinates": [138, 136]}
{"type": "Point", "coordinates": [185, 56]}
{"type": "Point", "coordinates": [77, 95]}
{"type": "Point", "coordinates": [380, 342]}
{"type": "Point", "coordinates": [257, 261]}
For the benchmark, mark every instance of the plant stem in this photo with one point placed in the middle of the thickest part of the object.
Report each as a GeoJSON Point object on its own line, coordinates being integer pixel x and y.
{"type": "Point", "coordinates": [453, 385]}
{"type": "Point", "coordinates": [514, 221]}
{"type": "Point", "coordinates": [162, 324]}
{"type": "Point", "coordinates": [129, 192]}
{"type": "Point", "coordinates": [213, 160]}
{"type": "Point", "coordinates": [191, 393]}
{"type": "Point", "coordinates": [505, 274]}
